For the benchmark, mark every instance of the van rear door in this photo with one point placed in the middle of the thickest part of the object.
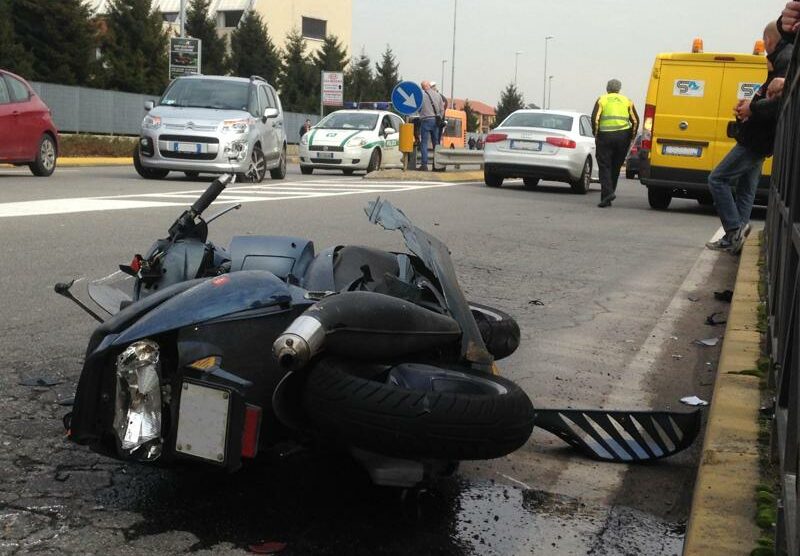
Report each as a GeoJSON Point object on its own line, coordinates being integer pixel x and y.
{"type": "Point", "coordinates": [740, 82]}
{"type": "Point", "coordinates": [685, 126]}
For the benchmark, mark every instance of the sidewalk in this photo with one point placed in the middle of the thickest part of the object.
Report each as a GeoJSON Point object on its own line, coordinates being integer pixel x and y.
{"type": "Point", "coordinates": [414, 175]}
{"type": "Point", "coordinates": [722, 520]}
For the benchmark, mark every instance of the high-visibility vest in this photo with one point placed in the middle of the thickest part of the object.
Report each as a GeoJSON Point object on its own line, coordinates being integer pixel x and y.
{"type": "Point", "coordinates": [614, 112]}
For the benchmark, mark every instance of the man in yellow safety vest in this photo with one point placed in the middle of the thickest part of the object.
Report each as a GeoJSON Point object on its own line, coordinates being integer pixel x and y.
{"type": "Point", "coordinates": [615, 124]}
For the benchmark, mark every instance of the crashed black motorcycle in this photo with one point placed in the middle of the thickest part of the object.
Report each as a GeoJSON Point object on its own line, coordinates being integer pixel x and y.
{"type": "Point", "coordinates": [218, 354]}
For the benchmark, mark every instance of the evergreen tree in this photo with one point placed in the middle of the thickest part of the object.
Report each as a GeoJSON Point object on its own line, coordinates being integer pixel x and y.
{"type": "Point", "coordinates": [359, 83]}
{"type": "Point", "coordinates": [134, 48]}
{"type": "Point", "coordinates": [510, 100]}
{"type": "Point", "coordinates": [297, 82]}
{"type": "Point", "coordinates": [13, 55]}
{"type": "Point", "coordinates": [472, 118]}
{"type": "Point", "coordinates": [200, 26]}
{"type": "Point", "coordinates": [386, 75]}
{"type": "Point", "coordinates": [331, 56]}
{"type": "Point", "coordinates": [59, 38]}
{"type": "Point", "coordinates": [252, 50]}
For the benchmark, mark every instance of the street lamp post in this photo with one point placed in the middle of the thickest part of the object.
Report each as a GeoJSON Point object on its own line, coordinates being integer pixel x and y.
{"type": "Point", "coordinates": [516, 63]}
{"type": "Point", "coordinates": [442, 83]}
{"type": "Point", "coordinates": [453, 59]}
{"type": "Point", "coordinates": [544, 78]}
{"type": "Point", "coordinates": [549, 91]}
{"type": "Point", "coordinates": [182, 15]}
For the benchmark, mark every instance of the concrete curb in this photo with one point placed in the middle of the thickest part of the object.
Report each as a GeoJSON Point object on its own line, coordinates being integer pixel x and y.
{"type": "Point", "coordinates": [722, 520]}
{"type": "Point", "coordinates": [414, 175]}
{"type": "Point", "coordinates": [95, 161]}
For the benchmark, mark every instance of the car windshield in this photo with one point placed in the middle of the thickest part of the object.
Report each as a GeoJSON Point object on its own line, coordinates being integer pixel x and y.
{"type": "Point", "coordinates": [348, 120]}
{"type": "Point", "coordinates": [208, 93]}
{"type": "Point", "coordinates": [539, 119]}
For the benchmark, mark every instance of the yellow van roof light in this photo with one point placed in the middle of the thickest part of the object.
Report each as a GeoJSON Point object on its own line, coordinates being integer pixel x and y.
{"type": "Point", "coordinates": [758, 48]}
{"type": "Point", "coordinates": [697, 45]}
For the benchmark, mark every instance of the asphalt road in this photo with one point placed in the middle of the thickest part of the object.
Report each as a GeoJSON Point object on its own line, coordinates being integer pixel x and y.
{"type": "Point", "coordinates": [609, 302]}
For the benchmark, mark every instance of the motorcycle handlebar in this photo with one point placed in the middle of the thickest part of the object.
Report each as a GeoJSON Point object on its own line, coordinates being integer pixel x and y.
{"type": "Point", "coordinates": [209, 195]}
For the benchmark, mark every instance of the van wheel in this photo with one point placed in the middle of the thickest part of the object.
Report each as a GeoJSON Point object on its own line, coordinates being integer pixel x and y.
{"type": "Point", "coordinates": [659, 199]}
{"type": "Point", "coordinates": [46, 155]}
{"type": "Point", "coordinates": [530, 183]}
{"type": "Point", "coordinates": [706, 200]}
{"type": "Point", "coordinates": [257, 168]}
{"type": "Point", "coordinates": [279, 172]}
{"type": "Point", "coordinates": [147, 173]}
{"type": "Point", "coordinates": [582, 184]}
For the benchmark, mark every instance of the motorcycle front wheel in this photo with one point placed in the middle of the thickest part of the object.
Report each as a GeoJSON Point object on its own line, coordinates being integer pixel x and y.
{"type": "Point", "coordinates": [417, 411]}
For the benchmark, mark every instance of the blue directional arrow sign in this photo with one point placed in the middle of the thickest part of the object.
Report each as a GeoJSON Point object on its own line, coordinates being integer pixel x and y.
{"type": "Point", "coordinates": [407, 97]}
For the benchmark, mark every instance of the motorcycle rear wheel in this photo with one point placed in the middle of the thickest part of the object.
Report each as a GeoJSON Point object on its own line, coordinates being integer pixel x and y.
{"type": "Point", "coordinates": [492, 420]}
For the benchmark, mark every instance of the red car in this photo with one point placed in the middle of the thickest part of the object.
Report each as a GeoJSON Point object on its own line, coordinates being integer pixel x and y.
{"type": "Point", "coordinates": [27, 133]}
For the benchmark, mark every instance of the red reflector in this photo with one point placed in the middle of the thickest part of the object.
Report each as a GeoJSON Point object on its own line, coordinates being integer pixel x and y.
{"type": "Point", "coordinates": [251, 431]}
{"type": "Point", "coordinates": [562, 142]}
{"type": "Point", "coordinates": [136, 263]}
{"type": "Point", "coordinates": [496, 137]}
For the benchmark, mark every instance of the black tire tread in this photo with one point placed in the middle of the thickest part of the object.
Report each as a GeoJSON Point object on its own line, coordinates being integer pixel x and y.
{"type": "Point", "coordinates": [398, 422]}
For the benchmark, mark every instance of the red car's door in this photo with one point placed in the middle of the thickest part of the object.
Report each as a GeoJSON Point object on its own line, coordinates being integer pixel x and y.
{"type": "Point", "coordinates": [27, 118]}
{"type": "Point", "coordinates": [6, 122]}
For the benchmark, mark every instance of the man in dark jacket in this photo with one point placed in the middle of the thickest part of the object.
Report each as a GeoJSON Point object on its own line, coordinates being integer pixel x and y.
{"type": "Point", "coordinates": [755, 137]}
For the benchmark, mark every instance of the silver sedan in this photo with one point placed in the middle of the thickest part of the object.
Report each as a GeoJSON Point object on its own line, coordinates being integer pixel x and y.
{"type": "Point", "coordinates": [542, 145]}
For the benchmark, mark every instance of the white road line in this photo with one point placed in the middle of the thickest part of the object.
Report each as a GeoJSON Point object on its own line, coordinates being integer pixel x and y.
{"type": "Point", "coordinates": [238, 194]}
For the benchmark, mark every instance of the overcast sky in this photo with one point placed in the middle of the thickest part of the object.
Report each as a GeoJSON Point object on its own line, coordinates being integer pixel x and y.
{"type": "Point", "coordinates": [595, 40]}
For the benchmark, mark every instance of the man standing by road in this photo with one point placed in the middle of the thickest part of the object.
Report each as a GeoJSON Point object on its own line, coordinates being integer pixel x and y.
{"type": "Point", "coordinates": [430, 118]}
{"type": "Point", "coordinates": [305, 127]}
{"type": "Point", "coordinates": [615, 123]}
{"type": "Point", "coordinates": [757, 120]}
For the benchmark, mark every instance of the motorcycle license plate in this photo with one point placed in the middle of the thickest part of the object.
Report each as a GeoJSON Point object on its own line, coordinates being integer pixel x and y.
{"type": "Point", "coordinates": [526, 145]}
{"type": "Point", "coordinates": [189, 147]}
{"type": "Point", "coordinates": [325, 155]}
{"type": "Point", "coordinates": [681, 150]}
{"type": "Point", "coordinates": [203, 418]}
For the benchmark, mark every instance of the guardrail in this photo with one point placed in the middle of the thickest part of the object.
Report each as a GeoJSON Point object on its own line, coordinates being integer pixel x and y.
{"type": "Point", "coordinates": [783, 308]}
{"type": "Point", "coordinates": [444, 157]}
{"type": "Point", "coordinates": [86, 110]}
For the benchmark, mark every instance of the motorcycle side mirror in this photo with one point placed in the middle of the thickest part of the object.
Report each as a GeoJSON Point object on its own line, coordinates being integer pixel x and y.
{"type": "Point", "coordinates": [148, 105]}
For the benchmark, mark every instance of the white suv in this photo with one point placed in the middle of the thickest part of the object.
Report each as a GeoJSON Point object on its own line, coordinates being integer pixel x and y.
{"type": "Point", "coordinates": [214, 124]}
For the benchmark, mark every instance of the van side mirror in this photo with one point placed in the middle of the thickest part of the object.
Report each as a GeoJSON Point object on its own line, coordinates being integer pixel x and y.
{"type": "Point", "coordinates": [271, 113]}
{"type": "Point", "coordinates": [148, 105]}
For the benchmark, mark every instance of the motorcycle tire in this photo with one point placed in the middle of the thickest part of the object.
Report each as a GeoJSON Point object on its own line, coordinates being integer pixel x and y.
{"type": "Point", "coordinates": [409, 423]}
{"type": "Point", "coordinates": [499, 330]}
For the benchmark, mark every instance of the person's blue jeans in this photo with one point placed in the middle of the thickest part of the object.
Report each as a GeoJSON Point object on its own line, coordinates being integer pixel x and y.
{"type": "Point", "coordinates": [428, 128]}
{"type": "Point", "coordinates": [740, 168]}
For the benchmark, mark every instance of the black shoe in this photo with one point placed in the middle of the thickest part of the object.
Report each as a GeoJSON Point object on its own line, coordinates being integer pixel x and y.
{"type": "Point", "coordinates": [422, 169]}
{"type": "Point", "coordinates": [604, 204]}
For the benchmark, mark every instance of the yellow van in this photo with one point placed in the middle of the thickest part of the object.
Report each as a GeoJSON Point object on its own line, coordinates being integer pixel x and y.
{"type": "Point", "coordinates": [689, 104]}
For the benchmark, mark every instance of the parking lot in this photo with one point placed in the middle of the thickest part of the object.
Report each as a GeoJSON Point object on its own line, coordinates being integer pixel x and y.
{"type": "Point", "coordinates": [609, 303]}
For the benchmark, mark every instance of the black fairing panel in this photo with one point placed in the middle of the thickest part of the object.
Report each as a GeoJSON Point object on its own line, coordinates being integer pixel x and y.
{"type": "Point", "coordinates": [281, 255]}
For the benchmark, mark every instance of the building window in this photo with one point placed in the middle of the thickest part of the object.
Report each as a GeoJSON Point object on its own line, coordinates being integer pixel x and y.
{"type": "Point", "coordinates": [232, 18]}
{"type": "Point", "coordinates": [170, 17]}
{"type": "Point", "coordinates": [314, 28]}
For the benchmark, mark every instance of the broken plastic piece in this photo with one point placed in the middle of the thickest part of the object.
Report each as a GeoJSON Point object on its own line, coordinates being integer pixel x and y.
{"type": "Point", "coordinates": [677, 356]}
{"type": "Point", "coordinates": [712, 319]}
{"type": "Point", "coordinates": [536, 302]}
{"type": "Point", "coordinates": [726, 295]}
{"type": "Point", "coordinates": [693, 298]}
{"type": "Point", "coordinates": [693, 400]}
{"type": "Point", "coordinates": [708, 342]}
{"type": "Point", "coordinates": [269, 547]}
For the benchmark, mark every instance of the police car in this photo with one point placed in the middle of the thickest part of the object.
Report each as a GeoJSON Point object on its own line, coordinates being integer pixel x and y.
{"type": "Point", "coordinates": [350, 140]}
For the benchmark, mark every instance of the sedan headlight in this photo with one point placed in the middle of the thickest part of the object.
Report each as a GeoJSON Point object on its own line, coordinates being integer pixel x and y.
{"type": "Point", "coordinates": [357, 142]}
{"type": "Point", "coordinates": [151, 122]}
{"type": "Point", "coordinates": [137, 411]}
{"type": "Point", "coordinates": [236, 126]}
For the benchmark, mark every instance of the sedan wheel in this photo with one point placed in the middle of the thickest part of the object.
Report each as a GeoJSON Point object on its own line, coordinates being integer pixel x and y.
{"type": "Point", "coordinates": [257, 169]}
{"type": "Point", "coordinates": [45, 162]}
{"type": "Point", "coordinates": [582, 184]}
{"type": "Point", "coordinates": [374, 161]}
{"type": "Point", "coordinates": [280, 172]}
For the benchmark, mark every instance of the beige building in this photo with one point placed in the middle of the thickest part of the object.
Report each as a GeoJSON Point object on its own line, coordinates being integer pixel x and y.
{"type": "Point", "coordinates": [313, 18]}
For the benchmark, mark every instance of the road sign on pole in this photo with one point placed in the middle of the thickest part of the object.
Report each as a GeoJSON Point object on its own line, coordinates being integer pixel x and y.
{"type": "Point", "coordinates": [184, 56]}
{"type": "Point", "coordinates": [407, 97]}
{"type": "Point", "coordinates": [332, 88]}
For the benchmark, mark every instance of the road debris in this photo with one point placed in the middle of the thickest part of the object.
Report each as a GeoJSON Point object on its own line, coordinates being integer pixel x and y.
{"type": "Point", "coordinates": [693, 400]}
{"type": "Point", "coordinates": [712, 319]}
{"type": "Point", "coordinates": [726, 296]}
{"type": "Point", "coordinates": [268, 547]}
{"type": "Point", "coordinates": [536, 302]}
{"type": "Point", "coordinates": [707, 342]}
{"type": "Point", "coordinates": [40, 381]}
